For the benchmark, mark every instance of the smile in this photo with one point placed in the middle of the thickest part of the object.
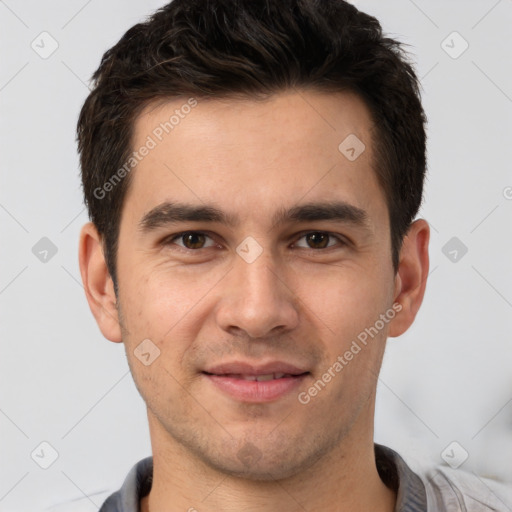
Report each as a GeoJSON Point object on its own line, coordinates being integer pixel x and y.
{"type": "Point", "coordinates": [260, 388]}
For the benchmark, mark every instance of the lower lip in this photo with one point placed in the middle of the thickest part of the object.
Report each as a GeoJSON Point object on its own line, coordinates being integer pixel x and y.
{"type": "Point", "coordinates": [256, 391]}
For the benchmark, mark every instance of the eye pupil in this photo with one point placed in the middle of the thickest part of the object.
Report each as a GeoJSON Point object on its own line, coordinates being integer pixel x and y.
{"type": "Point", "coordinates": [319, 240]}
{"type": "Point", "coordinates": [193, 240]}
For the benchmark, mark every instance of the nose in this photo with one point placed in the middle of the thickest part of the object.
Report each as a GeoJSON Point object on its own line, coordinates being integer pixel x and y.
{"type": "Point", "coordinates": [257, 300]}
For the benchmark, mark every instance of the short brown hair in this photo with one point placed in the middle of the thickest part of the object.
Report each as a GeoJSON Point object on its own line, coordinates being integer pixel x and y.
{"type": "Point", "coordinates": [253, 48]}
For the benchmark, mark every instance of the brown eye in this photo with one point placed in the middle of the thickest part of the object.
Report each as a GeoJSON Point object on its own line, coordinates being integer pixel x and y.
{"type": "Point", "coordinates": [193, 240]}
{"type": "Point", "coordinates": [317, 240]}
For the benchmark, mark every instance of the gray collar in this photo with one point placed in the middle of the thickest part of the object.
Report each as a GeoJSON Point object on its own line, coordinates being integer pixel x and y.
{"type": "Point", "coordinates": [397, 475]}
{"type": "Point", "coordinates": [394, 472]}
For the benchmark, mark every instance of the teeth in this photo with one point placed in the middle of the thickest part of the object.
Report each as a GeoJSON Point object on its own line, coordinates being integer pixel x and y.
{"type": "Point", "coordinates": [259, 378]}
{"type": "Point", "coordinates": [262, 378]}
{"type": "Point", "coordinates": [269, 376]}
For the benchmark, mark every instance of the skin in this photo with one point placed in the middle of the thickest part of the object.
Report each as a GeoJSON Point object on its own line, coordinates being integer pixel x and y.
{"type": "Point", "coordinates": [296, 302]}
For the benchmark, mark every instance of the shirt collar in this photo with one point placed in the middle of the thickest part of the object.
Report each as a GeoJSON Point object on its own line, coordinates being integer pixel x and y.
{"type": "Point", "coordinates": [397, 475]}
{"type": "Point", "coordinates": [394, 472]}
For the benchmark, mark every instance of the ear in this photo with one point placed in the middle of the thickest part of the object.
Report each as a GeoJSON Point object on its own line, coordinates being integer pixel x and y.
{"type": "Point", "coordinates": [411, 277]}
{"type": "Point", "coordinates": [98, 285]}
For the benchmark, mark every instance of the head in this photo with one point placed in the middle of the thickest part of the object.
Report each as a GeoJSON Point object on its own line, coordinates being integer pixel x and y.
{"type": "Point", "coordinates": [289, 136]}
{"type": "Point", "coordinates": [253, 50]}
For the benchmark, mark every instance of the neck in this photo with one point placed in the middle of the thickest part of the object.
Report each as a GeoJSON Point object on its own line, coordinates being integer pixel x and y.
{"type": "Point", "coordinates": [346, 479]}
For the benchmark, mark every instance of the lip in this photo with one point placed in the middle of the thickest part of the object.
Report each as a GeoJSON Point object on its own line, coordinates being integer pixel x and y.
{"type": "Point", "coordinates": [243, 368]}
{"type": "Point", "coordinates": [230, 378]}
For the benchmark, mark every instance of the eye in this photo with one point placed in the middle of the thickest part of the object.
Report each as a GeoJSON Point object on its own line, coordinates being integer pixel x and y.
{"type": "Point", "coordinates": [191, 240]}
{"type": "Point", "coordinates": [319, 240]}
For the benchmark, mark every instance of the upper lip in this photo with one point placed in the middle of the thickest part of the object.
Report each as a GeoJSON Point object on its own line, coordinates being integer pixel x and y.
{"type": "Point", "coordinates": [243, 368]}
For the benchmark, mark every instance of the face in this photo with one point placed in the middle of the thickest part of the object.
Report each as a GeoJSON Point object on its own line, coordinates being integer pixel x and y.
{"type": "Point", "coordinates": [252, 247]}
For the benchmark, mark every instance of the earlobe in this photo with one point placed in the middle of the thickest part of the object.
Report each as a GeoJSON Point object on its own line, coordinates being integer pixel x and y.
{"type": "Point", "coordinates": [98, 285]}
{"type": "Point", "coordinates": [411, 278]}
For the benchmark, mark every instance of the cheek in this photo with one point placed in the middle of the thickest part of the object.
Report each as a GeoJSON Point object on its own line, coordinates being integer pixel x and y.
{"type": "Point", "coordinates": [345, 302]}
{"type": "Point", "coordinates": [159, 303]}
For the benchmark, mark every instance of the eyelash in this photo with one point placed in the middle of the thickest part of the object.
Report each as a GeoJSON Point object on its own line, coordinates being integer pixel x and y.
{"type": "Point", "coordinates": [170, 240]}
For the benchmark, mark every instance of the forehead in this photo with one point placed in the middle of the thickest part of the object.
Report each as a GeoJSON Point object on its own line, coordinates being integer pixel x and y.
{"type": "Point", "coordinates": [252, 153]}
{"type": "Point", "coordinates": [305, 115]}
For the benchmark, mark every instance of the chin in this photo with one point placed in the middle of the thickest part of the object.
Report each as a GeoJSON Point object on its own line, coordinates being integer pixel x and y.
{"type": "Point", "coordinates": [269, 461]}
{"type": "Point", "coordinates": [261, 471]}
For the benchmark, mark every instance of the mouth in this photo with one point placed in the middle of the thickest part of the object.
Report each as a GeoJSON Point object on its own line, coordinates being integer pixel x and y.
{"type": "Point", "coordinates": [256, 384]}
{"type": "Point", "coordinates": [258, 378]}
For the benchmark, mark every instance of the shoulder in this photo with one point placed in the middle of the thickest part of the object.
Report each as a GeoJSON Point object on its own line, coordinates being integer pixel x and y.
{"type": "Point", "coordinates": [443, 489]}
{"type": "Point", "coordinates": [456, 490]}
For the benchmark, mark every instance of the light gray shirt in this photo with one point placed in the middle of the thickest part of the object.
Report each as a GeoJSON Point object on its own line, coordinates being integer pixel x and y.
{"type": "Point", "coordinates": [439, 489]}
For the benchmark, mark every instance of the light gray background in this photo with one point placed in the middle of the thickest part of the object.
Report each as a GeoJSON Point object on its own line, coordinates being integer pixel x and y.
{"type": "Point", "coordinates": [447, 379]}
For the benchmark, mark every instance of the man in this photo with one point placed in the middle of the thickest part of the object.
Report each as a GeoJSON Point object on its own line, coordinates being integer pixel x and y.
{"type": "Point", "coordinates": [252, 172]}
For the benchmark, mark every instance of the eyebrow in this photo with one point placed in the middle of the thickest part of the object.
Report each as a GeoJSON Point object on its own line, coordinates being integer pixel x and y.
{"type": "Point", "coordinates": [174, 212]}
